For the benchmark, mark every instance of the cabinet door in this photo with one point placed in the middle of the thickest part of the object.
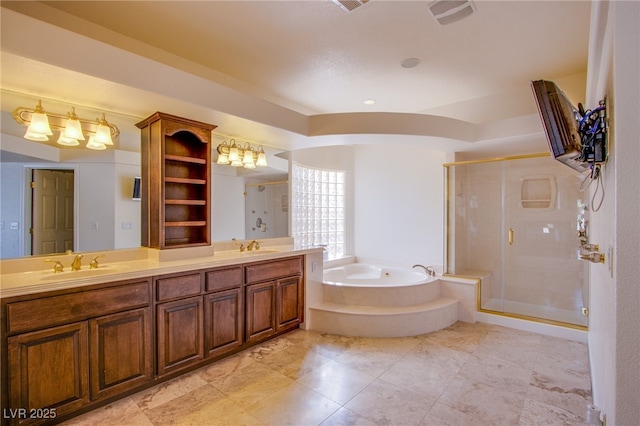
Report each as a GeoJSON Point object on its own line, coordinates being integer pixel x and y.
{"type": "Point", "coordinates": [289, 303]}
{"type": "Point", "coordinates": [120, 352]}
{"type": "Point", "coordinates": [180, 338]}
{"type": "Point", "coordinates": [260, 302]}
{"type": "Point", "coordinates": [223, 322]}
{"type": "Point", "coordinates": [49, 369]}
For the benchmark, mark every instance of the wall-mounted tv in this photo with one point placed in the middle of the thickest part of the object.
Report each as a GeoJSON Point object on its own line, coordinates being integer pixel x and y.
{"type": "Point", "coordinates": [561, 122]}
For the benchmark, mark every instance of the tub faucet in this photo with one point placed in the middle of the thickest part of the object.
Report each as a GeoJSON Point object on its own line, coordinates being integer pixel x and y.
{"type": "Point", "coordinates": [429, 270]}
{"type": "Point", "coordinates": [76, 264]}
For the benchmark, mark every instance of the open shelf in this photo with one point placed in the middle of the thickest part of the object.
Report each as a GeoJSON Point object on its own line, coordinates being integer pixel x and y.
{"type": "Point", "coordinates": [176, 162]}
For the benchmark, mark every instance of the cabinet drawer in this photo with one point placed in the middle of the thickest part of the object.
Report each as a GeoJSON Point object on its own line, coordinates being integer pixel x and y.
{"type": "Point", "coordinates": [273, 269]}
{"type": "Point", "coordinates": [68, 308]}
{"type": "Point", "coordinates": [178, 286]}
{"type": "Point", "coordinates": [222, 279]}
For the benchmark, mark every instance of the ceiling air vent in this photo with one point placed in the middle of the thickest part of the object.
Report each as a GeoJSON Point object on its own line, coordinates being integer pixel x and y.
{"type": "Point", "coordinates": [349, 5]}
{"type": "Point", "coordinates": [449, 11]}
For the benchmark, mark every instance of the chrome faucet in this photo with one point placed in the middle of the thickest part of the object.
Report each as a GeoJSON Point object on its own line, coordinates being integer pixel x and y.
{"type": "Point", "coordinates": [253, 245]}
{"type": "Point", "coordinates": [430, 270]}
{"type": "Point", "coordinates": [76, 264]}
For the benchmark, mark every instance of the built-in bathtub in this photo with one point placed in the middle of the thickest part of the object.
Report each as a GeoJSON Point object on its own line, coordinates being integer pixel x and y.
{"type": "Point", "coordinates": [365, 275]}
{"type": "Point", "coordinates": [370, 300]}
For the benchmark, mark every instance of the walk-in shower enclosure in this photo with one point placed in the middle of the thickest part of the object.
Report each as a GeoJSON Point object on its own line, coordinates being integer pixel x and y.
{"type": "Point", "coordinates": [512, 222]}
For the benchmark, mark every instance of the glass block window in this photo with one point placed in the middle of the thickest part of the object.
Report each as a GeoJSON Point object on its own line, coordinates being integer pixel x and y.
{"type": "Point", "coordinates": [318, 208]}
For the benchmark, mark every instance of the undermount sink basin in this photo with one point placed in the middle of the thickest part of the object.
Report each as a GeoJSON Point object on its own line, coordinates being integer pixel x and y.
{"type": "Point", "coordinates": [86, 272]}
{"type": "Point", "coordinates": [257, 252]}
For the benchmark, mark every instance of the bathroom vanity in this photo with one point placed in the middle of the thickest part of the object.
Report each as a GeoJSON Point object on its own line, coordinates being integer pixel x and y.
{"type": "Point", "coordinates": [80, 343]}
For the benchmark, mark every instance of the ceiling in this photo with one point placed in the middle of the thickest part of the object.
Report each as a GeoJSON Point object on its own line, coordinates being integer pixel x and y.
{"type": "Point", "coordinates": [313, 58]}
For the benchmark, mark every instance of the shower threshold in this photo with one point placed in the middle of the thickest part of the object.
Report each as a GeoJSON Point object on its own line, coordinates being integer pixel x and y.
{"type": "Point", "coordinates": [529, 311]}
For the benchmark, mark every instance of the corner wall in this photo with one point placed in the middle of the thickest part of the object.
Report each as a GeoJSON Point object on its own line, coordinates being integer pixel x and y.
{"type": "Point", "coordinates": [399, 204]}
{"type": "Point", "coordinates": [614, 332]}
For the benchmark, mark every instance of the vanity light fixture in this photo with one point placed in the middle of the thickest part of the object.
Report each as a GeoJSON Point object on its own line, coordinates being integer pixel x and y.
{"type": "Point", "coordinates": [230, 153]}
{"type": "Point", "coordinates": [72, 128]}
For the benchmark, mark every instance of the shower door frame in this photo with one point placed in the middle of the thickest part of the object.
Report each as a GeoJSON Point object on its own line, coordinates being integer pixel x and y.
{"type": "Point", "coordinates": [503, 233]}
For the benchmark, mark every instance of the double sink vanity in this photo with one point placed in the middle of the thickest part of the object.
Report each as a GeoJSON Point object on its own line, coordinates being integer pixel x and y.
{"type": "Point", "coordinates": [74, 340]}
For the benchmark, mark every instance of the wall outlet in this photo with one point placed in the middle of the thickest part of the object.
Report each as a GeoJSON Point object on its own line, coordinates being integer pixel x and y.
{"type": "Point", "coordinates": [14, 225]}
{"type": "Point", "coordinates": [127, 226]}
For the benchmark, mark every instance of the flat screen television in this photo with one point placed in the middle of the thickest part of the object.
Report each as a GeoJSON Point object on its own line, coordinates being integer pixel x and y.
{"type": "Point", "coordinates": [561, 122]}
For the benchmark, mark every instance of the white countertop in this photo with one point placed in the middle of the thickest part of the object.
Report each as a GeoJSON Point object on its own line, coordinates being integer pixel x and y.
{"type": "Point", "coordinates": [129, 264]}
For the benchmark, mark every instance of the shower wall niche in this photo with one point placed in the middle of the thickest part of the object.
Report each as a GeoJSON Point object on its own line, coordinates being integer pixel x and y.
{"type": "Point", "coordinates": [513, 223]}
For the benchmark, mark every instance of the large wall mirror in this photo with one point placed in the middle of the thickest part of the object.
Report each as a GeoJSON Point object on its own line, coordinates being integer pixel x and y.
{"type": "Point", "coordinates": [98, 204]}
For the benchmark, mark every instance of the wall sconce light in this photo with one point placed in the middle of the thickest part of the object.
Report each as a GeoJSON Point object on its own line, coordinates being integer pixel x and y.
{"type": "Point", "coordinates": [71, 127]}
{"type": "Point", "coordinates": [241, 156]}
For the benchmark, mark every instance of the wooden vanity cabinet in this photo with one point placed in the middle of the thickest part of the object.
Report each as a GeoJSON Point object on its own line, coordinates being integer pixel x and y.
{"type": "Point", "coordinates": [179, 321]}
{"type": "Point", "coordinates": [120, 352]}
{"type": "Point", "coordinates": [66, 349]}
{"type": "Point", "coordinates": [196, 321]}
{"type": "Point", "coordinates": [48, 371]}
{"type": "Point", "coordinates": [274, 297]}
{"type": "Point", "coordinates": [176, 181]}
{"type": "Point", "coordinates": [223, 311]}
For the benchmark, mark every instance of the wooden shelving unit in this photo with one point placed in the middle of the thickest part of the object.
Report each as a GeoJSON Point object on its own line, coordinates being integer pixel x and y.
{"type": "Point", "coordinates": [176, 181]}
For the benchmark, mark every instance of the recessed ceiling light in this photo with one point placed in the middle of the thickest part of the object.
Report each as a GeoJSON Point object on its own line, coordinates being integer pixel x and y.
{"type": "Point", "coordinates": [369, 102]}
{"type": "Point", "coordinates": [410, 62]}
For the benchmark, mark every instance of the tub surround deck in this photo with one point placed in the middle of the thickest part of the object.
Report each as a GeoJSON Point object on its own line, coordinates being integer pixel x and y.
{"type": "Point", "coordinates": [384, 309]}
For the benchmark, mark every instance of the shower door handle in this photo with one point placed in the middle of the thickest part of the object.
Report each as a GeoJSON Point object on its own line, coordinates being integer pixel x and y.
{"type": "Point", "coordinates": [510, 236]}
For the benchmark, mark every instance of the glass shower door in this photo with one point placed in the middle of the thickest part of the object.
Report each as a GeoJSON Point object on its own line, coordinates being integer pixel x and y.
{"type": "Point", "coordinates": [512, 223]}
{"type": "Point", "coordinates": [543, 276]}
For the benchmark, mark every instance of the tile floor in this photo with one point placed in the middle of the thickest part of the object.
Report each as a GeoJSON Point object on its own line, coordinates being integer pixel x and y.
{"type": "Point", "coordinates": [467, 374]}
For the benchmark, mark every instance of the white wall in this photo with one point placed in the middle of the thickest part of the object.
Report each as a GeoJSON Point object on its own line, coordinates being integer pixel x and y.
{"type": "Point", "coordinates": [127, 214]}
{"type": "Point", "coordinates": [399, 205]}
{"type": "Point", "coordinates": [614, 331]}
{"type": "Point", "coordinates": [11, 185]}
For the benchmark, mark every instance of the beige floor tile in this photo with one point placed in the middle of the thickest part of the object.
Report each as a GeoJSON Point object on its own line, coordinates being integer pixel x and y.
{"type": "Point", "coordinates": [189, 408]}
{"type": "Point", "coordinates": [458, 338]}
{"type": "Point", "coordinates": [466, 375]}
{"type": "Point", "coordinates": [520, 348]}
{"type": "Point", "coordinates": [560, 391]}
{"type": "Point", "coordinates": [294, 405]}
{"type": "Point", "coordinates": [489, 405]}
{"type": "Point", "coordinates": [428, 375]}
{"type": "Point", "coordinates": [387, 404]}
{"type": "Point", "coordinates": [247, 383]}
{"type": "Point", "coordinates": [121, 412]}
{"type": "Point", "coordinates": [167, 391]}
{"type": "Point", "coordinates": [336, 381]}
{"type": "Point", "coordinates": [536, 413]}
{"type": "Point", "coordinates": [441, 415]}
{"type": "Point", "coordinates": [497, 373]}
{"type": "Point", "coordinates": [294, 362]}
{"type": "Point", "coordinates": [345, 417]}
